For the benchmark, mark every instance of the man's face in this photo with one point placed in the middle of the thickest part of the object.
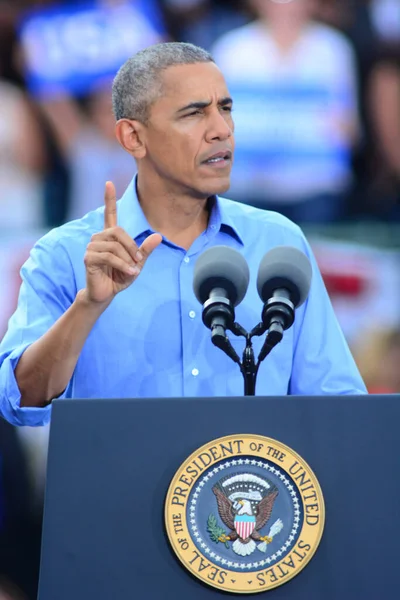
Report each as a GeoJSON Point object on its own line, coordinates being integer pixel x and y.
{"type": "Point", "coordinates": [189, 136]}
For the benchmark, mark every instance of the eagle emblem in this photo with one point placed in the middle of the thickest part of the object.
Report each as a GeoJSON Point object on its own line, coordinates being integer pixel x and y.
{"type": "Point", "coordinates": [245, 502]}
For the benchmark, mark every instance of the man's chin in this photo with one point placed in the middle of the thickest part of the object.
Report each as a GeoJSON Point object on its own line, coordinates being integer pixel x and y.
{"type": "Point", "coordinates": [217, 187]}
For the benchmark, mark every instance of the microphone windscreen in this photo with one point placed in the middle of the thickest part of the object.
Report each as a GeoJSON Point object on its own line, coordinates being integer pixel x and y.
{"type": "Point", "coordinates": [221, 267]}
{"type": "Point", "coordinates": [285, 267]}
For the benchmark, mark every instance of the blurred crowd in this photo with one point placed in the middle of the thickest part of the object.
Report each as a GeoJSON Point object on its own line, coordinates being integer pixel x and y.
{"type": "Point", "coordinates": [316, 85]}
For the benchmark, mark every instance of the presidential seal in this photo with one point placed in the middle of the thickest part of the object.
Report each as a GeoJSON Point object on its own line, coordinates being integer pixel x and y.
{"type": "Point", "coordinates": [244, 513]}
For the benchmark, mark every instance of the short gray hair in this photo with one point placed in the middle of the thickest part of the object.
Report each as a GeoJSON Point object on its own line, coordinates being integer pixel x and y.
{"type": "Point", "coordinates": [138, 83]}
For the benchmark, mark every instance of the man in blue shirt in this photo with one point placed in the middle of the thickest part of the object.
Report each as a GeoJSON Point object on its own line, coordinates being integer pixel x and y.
{"type": "Point", "coordinates": [107, 309]}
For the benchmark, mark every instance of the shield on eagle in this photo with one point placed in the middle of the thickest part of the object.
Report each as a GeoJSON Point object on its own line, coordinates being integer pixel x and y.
{"type": "Point", "coordinates": [244, 525]}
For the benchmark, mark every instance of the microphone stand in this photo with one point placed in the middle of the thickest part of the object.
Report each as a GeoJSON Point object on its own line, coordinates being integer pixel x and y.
{"type": "Point", "coordinates": [278, 315]}
{"type": "Point", "coordinates": [248, 365]}
{"type": "Point", "coordinates": [249, 368]}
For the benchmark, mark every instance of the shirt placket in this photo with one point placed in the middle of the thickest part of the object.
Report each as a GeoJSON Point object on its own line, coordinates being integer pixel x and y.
{"type": "Point", "coordinates": [191, 318]}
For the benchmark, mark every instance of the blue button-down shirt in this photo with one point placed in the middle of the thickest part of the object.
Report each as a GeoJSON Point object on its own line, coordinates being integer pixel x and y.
{"type": "Point", "coordinates": [151, 341]}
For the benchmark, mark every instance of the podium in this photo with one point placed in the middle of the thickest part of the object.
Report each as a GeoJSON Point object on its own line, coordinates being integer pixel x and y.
{"type": "Point", "coordinates": [111, 462]}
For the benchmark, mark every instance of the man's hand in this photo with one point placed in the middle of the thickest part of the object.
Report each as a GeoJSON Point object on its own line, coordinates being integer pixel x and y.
{"type": "Point", "coordinates": [113, 261]}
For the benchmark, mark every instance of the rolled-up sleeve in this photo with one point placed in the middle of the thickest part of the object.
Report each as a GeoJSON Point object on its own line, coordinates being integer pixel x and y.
{"type": "Point", "coordinates": [48, 289]}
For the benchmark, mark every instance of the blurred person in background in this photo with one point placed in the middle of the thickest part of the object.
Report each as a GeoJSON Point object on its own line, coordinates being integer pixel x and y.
{"type": "Point", "coordinates": [373, 27]}
{"type": "Point", "coordinates": [301, 77]}
{"type": "Point", "coordinates": [375, 32]}
{"type": "Point", "coordinates": [70, 56]}
{"type": "Point", "coordinates": [49, 205]}
{"type": "Point", "coordinates": [378, 358]}
{"type": "Point", "coordinates": [201, 22]}
{"type": "Point", "coordinates": [22, 159]}
{"type": "Point", "coordinates": [383, 191]}
{"type": "Point", "coordinates": [84, 131]}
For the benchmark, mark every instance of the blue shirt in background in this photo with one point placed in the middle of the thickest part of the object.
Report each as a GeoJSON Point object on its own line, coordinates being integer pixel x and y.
{"type": "Point", "coordinates": [151, 342]}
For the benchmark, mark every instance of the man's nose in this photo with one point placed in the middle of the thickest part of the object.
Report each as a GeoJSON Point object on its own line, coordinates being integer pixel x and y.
{"type": "Point", "coordinates": [218, 128]}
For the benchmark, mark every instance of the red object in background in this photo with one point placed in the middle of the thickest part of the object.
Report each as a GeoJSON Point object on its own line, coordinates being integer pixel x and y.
{"type": "Point", "coordinates": [345, 284]}
{"type": "Point", "coordinates": [346, 274]}
{"type": "Point", "coordinates": [381, 389]}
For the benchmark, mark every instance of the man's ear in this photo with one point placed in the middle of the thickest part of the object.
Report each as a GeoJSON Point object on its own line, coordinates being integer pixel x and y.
{"type": "Point", "coordinates": [130, 135]}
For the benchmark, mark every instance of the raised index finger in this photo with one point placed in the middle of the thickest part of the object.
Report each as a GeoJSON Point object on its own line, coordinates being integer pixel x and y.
{"type": "Point", "coordinates": [110, 206]}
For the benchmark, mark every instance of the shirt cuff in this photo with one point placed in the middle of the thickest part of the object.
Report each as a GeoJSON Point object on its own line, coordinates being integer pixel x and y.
{"type": "Point", "coordinates": [10, 398]}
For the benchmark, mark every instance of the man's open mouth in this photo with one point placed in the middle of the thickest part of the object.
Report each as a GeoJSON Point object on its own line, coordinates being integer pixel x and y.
{"type": "Point", "coordinates": [219, 158]}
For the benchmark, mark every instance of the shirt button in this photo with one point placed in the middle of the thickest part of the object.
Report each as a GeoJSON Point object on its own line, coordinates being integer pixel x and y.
{"type": "Point", "coordinates": [186, 259]}
{"type": "Point", "coordinates": [192, 314]}
{"type": "Point", "coordinates": [195, 372]}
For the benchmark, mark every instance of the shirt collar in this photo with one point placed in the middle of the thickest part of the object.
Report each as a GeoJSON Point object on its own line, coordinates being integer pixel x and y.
{"type": "Point", "coordinates": [130, 214]}
{"type": "Point", "coordinates": [132, 218]}
{"type": "Point", "coordinates": [222, 219]}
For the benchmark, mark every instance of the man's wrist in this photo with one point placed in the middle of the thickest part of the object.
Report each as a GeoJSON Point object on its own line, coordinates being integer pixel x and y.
{"type": "Point", "coordinates": [96, 308]}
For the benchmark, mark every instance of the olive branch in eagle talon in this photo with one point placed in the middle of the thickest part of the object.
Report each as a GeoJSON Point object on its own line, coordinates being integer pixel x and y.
{"type": "Point", "coordinates": [216, 532]}
{"type": "Point", "coordinates": [232, 513]}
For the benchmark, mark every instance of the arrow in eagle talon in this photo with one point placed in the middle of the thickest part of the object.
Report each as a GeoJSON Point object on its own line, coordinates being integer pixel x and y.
{"type": "Point", "coordinates": [267, 539]}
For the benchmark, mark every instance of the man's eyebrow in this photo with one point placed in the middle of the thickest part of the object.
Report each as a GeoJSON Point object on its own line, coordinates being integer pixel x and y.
{"type": "Point", "coordinates": [200, 105]}
{"type": "Point", "coordinates": [225, 101]}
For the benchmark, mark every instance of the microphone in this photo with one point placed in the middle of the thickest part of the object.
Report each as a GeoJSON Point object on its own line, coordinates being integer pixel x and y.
{"type": "Point", "coordinates": [220, 282]}
{"type": "Point", "coordinates": [283, 284]}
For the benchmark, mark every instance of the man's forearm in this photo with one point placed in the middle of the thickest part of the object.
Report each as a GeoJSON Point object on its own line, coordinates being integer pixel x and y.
{"type": "Point", "coordinates": [46, 367]}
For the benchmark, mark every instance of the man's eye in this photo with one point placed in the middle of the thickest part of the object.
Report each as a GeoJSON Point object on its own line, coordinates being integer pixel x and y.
{"type": "Point", "coordinates": [228, 109]}
{"type": "Point", "coordinates": [192, 114]}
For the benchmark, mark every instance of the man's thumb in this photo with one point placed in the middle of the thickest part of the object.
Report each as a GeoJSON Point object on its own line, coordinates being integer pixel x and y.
{"type": "Point", "coordinates": [150, 244]}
